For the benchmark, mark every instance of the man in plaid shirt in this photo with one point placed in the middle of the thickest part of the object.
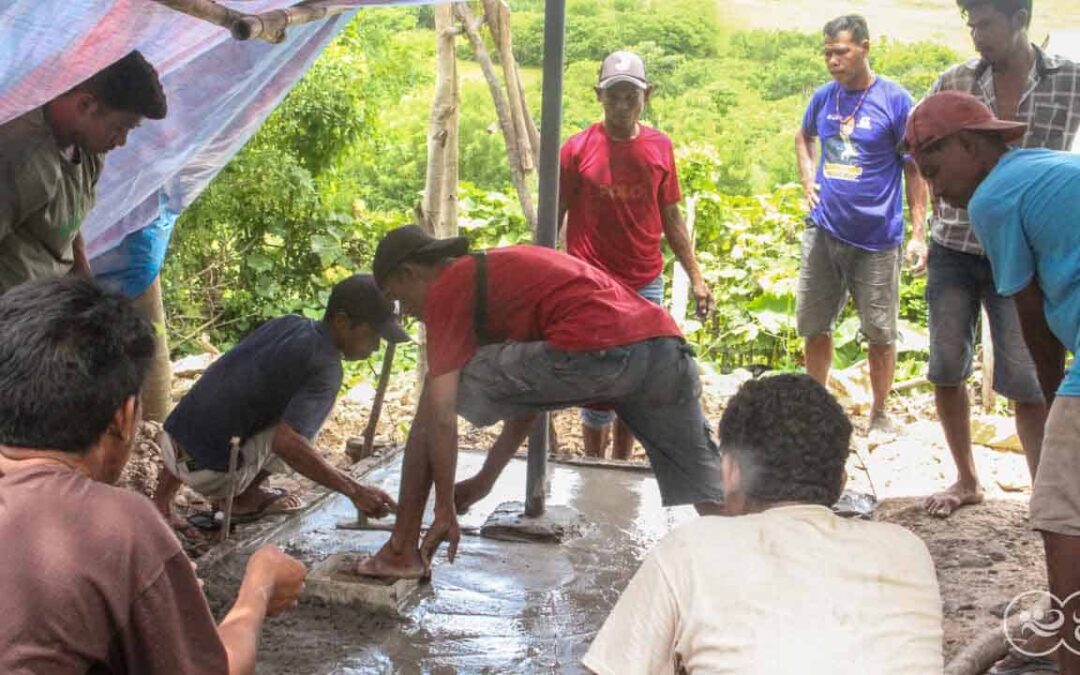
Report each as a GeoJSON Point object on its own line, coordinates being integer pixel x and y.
{"type": "Point", "coordinates": [1019, 82]}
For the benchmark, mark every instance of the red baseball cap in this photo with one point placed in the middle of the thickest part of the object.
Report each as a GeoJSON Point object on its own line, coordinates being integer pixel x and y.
{"type": "Point", "coordinates": [943, 114]}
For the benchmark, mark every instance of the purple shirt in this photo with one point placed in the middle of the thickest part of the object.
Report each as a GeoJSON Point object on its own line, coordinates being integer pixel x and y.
{"type": "Point", "coordinates": [861, 177]}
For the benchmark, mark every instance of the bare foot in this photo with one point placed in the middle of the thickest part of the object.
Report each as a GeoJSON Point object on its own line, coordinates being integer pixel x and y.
{"type": "Point", "coordinates": [468, 492]}
{"type": "Point", "coordinates": [388, 564]}
{"type": "Point", "coordinates": [943, 504]}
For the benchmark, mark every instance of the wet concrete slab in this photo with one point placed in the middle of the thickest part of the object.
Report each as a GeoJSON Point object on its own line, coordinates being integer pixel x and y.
{"type": "Point", "coordinates": [501, 607]}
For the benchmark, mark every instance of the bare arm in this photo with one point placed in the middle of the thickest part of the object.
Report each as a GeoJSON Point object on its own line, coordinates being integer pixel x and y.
{"type": "Point", "coordinates": [442, 453]}
{"type": "Point", "coordinates": [917, 197]}
{"type": "Point", "coordinates": [805, 147]}
{"type": "Point", "coordinates": [679, 240]}
{"type": "Point", "coordinates": [302, 457]}
{"type": "Point", "coordinates": [1046, 350]}
{"type": "Point", "coordinates": [561, 244]}
{"type": "Point", "coordinates": [272, 583]}
{"type": "Point", "coordinates": [81, 265]}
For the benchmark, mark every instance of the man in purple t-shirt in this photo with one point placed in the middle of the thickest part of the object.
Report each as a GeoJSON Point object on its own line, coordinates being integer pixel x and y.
{"type": "Point", "coordinates": [856, 222]}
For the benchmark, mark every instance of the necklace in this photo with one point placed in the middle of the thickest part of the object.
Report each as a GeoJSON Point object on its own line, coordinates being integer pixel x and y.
{"type": "Point", "coordinates": [847, 124]}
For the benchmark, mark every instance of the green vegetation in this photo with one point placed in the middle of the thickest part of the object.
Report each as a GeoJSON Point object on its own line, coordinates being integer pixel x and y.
{"type": "Point", "coordinates": [342, 161]}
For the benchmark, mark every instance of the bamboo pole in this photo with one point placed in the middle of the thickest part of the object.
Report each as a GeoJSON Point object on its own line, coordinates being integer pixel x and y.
{"type": "Point", "coordinates": [497, 16]}
{"type": "Point", "coordinates": [502, 109]}
{"type": "Point", "coordinates": [157, 390]}
{"type": "Point", "coordinates": [269, 26]}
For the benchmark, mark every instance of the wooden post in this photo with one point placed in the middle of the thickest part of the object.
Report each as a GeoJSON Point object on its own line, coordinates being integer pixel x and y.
{"type": "Point", "coordinates": [502, 109]}
{"type": "Point", "coordinates": [497, 16]}
{"type": "Point", "coordinates": [989, 398]}
{"type": "Point", "coordinates": [157, 390]}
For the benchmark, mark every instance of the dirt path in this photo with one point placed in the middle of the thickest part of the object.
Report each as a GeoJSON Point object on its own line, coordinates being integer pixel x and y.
{"type": "Point", "coordinates": [906, 20]}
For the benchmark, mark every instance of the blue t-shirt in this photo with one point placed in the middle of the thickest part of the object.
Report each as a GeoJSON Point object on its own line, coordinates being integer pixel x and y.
{"type": "Point", "coordinates": [288, 370]}
{"type": "Point", "coordinates": [861, 178]}
{"type": "Point", "coordinates": [1026, 214]}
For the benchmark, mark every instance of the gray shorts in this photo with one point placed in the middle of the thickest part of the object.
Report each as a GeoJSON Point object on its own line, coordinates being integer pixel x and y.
{"type": "Point", "coordinates": [256, 453]}
{"type": "Point", "coordinates": [652, 385]}
{"type": "Point", "coordinates": [830, 269]}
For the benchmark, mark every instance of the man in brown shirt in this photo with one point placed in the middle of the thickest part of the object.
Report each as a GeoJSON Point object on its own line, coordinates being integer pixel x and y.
{"type": "Point", "coordinates": [50, 161]}
{"type": "Point", "coordinates": [93, 579]}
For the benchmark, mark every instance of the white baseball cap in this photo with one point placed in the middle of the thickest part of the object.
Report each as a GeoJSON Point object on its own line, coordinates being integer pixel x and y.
{"type": "Point", "coordinates": [623, 67]}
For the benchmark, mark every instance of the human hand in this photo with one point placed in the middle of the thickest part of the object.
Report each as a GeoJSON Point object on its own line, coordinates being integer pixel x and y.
{"type": "Point", "coordinates": [443, 528]}
{"type": "Point", "coordinates": [703, 299]}
{"type": "Point", "coordinates": [470, 491]}
{"type": "Point", "coordinates": [279, 575]}
{"type": "Point", "coordinates": [812, 192]}
{"type": "Point", "coordinates": [371, 501]}
{"type": "Point", "coordinates": [916, 256]}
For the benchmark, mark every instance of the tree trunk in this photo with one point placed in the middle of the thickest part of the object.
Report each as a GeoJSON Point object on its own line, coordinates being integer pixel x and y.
{"type": "Point", "coordinates": [502, 109]}
{"type": "Point", "coordinates": [438, 210]}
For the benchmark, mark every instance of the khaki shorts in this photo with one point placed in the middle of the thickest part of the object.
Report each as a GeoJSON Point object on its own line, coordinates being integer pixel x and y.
{"type": "Point", "coordinates": [256, 455]}
{"type": "Point", "coordinates": [1055, 499]}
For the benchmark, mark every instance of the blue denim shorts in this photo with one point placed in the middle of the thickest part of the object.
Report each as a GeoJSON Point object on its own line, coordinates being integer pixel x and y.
{"type": "Point", "coordinates": [957, 284]}
{"type": "Point", "coordinates": [596, 419]}
{"type": "Point", "coordinates": [652, 385]}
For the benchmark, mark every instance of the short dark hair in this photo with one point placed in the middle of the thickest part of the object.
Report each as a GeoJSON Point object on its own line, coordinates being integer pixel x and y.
{"type": "Point", "coordinates": [1007, 7]}
{"type": "Point", "coordinates": [852, 23]}
{"type": "Point", "coordinates": [129, 85]}
{"type": "Point", "coordinates": [71, 353]}
{"type": "Point", "coordinates": [790, 439]}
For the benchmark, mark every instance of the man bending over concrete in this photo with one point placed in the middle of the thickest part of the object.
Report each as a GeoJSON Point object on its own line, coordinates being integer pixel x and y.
{"type": "Point", "coordinates": [516, 331]}
{"type": "Point", "coordinates": [786, 586]}
{"type": "Point", "coordinates": [93, 581]}
{"type": "Point", "coordinates": [1023, 206]}
{"type": "Point", "coordinates": [273, 391]}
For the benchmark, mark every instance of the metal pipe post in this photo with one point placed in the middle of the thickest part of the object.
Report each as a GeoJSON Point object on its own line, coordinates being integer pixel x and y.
{"type": "Point", "coordinates": [547, 227]}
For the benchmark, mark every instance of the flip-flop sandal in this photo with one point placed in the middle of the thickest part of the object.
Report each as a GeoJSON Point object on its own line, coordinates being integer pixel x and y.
{"type": "Point", "coordinates": [267, 508]}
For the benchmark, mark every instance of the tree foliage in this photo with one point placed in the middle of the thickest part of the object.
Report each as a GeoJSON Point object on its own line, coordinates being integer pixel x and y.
{"type": "Point", "coordinates": [342, 159]}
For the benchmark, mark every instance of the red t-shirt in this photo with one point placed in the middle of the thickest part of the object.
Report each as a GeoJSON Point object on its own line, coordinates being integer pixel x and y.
{"type": "Point", "coordinates": [614, 192]}
{"type": "Point", "coordinates": [535, 293]}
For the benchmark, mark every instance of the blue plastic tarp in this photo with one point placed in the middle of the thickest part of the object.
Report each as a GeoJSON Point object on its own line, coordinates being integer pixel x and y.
{"type": "Point", "coordinates": [219, 91]}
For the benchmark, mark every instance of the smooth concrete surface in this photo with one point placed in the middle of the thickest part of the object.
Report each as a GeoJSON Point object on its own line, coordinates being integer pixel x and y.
{"type": "Point", "coordinates": [502, 607]}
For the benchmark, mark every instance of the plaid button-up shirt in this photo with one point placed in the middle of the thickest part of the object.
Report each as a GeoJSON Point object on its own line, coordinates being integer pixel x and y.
{"type": "Point", "coordinates": [1049, 105]}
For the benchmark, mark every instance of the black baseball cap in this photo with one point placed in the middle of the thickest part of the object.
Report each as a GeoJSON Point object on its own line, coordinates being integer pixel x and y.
{"type": "Point", "coordinates": [360, 299]}
{"type": "Point", "coordinates": [411, 242]}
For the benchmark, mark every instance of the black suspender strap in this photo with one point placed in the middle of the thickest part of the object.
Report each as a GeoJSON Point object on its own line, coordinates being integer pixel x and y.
{"type": "Point", "coordinates": [480, 299]}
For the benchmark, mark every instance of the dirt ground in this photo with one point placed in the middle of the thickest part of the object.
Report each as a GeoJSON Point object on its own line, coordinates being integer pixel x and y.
{"type": "Point", "coordinates": [984, 555]}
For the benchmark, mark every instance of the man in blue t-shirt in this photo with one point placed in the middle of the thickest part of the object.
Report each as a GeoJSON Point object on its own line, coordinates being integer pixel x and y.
{"type": "Point", "coordinates": [1024, 206]}
{"type": "Point", "coordinates": [273, 391]}
{"type": "Point", "coordinates": [856, 222]}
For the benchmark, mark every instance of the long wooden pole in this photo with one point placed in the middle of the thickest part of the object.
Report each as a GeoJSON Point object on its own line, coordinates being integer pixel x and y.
{"type": "Point", "coordinates": [502, 109]}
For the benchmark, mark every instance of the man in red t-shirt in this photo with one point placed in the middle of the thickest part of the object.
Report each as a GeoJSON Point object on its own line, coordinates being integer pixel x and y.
{"type": "Point", "coordinates": [619, 194]}
{"type": "Point", "coordinates": [511, 333]}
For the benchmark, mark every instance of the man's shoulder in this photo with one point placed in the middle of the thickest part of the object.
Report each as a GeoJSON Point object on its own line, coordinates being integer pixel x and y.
{"type": "Point", "coordinates": [115, 519]}
{"type": "Point", "coordinates": [654, 135]}
{"type": "Point", "coordinates": [585, 136]}
{"type": "Point", "coordinates": [893, 89]}
{"type": "Point", "coordinates": [960, 77]}
{"type": "Point", "coordinates": [27, 152]}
